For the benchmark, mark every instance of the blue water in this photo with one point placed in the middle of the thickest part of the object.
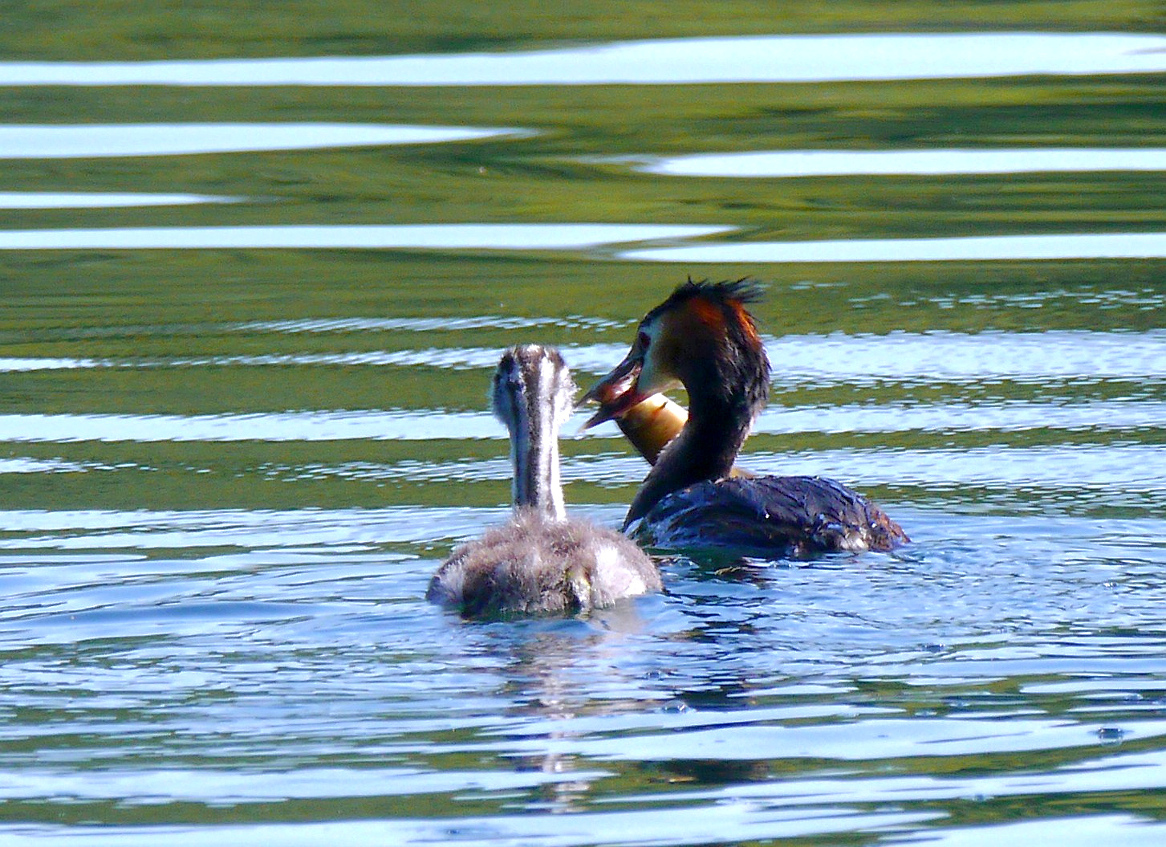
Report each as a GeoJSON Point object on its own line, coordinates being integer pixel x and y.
{"type": "Point", "coordinates": [232, 670]}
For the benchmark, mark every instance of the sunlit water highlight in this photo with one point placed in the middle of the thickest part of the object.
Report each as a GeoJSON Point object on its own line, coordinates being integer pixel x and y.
{"type": "Point", "coordinates": [566, 236]}
{"type": "Point", "coordinates": [427, 325]}
{"type": "Point", "coordinates": [282, 426]}
{"type": "Point", "coordinates": [776, 58]}
{"type": "Point", "coordinates": [424, 424]}
{"type": "Point", "coordinates": [1063, 477]}
{"type": "Point", "coordinates": [799, 163]}
{"type": "Point", "coordinates": [100, 200]}
{"type": "Point", "coordinates": [835, 358]}
{"type": "Point", "coordinates": [97, 140]}
{"type": "Point", "coordinates": [1085, 245]}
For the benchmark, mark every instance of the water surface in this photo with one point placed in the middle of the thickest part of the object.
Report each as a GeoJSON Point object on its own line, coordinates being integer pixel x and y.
{"type": "Point", "coordinates": [1126, 245]}
{"type": "Point", "coordinates": [100, 200]}
{"type": "Point", "coordinates": [774, 58]}
{"type": "Point", "coordinates": [564, 236]}
{"type": "Point", "coordinates": [88, 140]}
{"type": "Point", "coordinates": [802, 163]}
{"type": "Point", "coordinates": [255, 282]}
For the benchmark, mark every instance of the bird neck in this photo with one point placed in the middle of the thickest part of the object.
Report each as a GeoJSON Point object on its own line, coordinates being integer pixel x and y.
{"type": "Point", "coordinates": [534, 452]}
{"type": "Point", "coordinates": [705, 449]}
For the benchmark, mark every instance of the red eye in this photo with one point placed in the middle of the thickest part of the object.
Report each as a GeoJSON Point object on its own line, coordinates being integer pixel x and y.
{"type": "Point", "coordinates": [643, 339]}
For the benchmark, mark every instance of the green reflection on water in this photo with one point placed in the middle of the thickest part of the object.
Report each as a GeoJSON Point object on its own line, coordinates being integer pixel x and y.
{"type": "Point", "coordinates": [159, 308]}
{"type": "Point", "coordinates": [64, 30]}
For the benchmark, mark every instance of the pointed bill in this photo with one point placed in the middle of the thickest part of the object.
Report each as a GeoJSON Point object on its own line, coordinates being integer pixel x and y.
{"type": "Point", "coordinates": [617, 392]}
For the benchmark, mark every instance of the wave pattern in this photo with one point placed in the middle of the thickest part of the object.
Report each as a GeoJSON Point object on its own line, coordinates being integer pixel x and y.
{"type": "Point", "coordinates": [245, 347]}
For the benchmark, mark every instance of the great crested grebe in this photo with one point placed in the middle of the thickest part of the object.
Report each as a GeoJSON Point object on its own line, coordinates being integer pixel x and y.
{"type": "Point", "coordinates": [703, 337]}
{"type": "Point", "coordinates": [541, 562]}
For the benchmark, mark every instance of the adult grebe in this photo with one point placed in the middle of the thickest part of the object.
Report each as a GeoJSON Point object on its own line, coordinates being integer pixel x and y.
{"type": "Point", "coordinates": [541, 562]}
{"type": "Point", "coordinates": [703, 337]}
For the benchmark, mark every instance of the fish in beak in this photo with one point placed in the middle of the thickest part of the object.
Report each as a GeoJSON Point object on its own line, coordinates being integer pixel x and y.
{"type": "Point", "coordinates": [618, 391]}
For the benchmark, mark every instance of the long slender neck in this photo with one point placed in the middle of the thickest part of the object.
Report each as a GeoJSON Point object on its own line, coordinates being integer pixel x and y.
{"type": "Point", "coordinates": [705, 450]}
{"type": "Point", "coordinates": [534, 452]}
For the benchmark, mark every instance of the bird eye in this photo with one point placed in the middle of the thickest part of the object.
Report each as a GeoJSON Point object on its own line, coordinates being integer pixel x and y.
{"type": "Point", "coordinates": [644, 339]}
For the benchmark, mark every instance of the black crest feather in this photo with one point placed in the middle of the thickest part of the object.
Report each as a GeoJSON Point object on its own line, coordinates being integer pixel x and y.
{"type": "Point", "coordinates": [744, 291]}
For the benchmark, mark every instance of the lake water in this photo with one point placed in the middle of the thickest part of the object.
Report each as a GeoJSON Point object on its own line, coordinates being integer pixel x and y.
{"type": "Point", "coordinates": [256, 269]}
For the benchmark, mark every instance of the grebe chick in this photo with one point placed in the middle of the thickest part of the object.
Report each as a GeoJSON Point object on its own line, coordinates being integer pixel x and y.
{"type": "Point", "coordinates": [541, 562]}
{"type": "Point", "coordinates": [704, 338]}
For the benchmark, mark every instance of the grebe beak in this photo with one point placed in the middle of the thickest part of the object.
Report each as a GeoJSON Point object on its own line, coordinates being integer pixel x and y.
{"type": "Point", "coordinates": [618, 391]}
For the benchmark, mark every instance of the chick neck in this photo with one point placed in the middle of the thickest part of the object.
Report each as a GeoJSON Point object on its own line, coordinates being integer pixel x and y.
{"type": "Point", "coordinates": [534, 423]}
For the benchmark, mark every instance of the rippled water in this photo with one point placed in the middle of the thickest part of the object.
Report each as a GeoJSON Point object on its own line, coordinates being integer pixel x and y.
{"type": "Point", "coordinates": [251, 306]}
{"type": "Point", "coordinates": [770, 58]}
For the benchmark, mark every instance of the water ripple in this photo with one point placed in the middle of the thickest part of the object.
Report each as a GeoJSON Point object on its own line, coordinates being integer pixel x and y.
{"type": "Point", "coordinates": [548, 236]}
{"type": "Point", "coordinates": [441, 324]}
{"type": "Point", "coordinates": [102, 200]}
{"type": "Point", "coordinates": [1112, 469]}
{"type": "Point", "coordinates": [276, 426]}
{"type": "Point", "coordinates": [146, 529]}
{"type": "Point", "coordinates": [1079, 245]}
{"type": "Point", "coordinates": [836, 358]}
{"type": "Point", "coordinates": [430, 424]}
{"type": "Point", "coordinates": [697, 825]}
{"type": "Point", "coordinates": [1024, 357]}
{"type": "Point", "coordinates": [93, 140]}
{"type": "Point", "coordinates": [768, 702]}
{"type": "Point", "coordinates": [802, 163]}
{"type": "Point", "coordinates": [768, 58]}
